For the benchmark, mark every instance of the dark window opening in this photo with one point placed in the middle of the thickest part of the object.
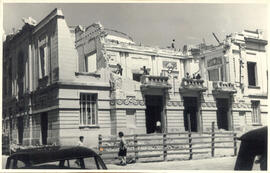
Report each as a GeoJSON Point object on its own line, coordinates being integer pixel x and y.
{"type": "Point", "coordinates": [88, 109]}
{"type": "Point", "coordinates": [20, 129]}
{"type": "Point", "coordinates": [251, 73]}
{"type": "Point", "coordinates": [43, 62]}
{"type": "Point", "coordinates": [137, 77]}
{"type": "Point", "coordinates": [44, 127]}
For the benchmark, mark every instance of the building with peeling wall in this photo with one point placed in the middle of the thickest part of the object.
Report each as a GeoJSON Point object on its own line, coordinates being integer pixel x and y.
{"type": "Point", "coordinates": [62, 82]}
{"type": "Point", "coordinates": [236, 71]}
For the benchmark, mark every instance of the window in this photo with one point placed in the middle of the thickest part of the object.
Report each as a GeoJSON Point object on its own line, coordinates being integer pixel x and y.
{"type": "Point", "coordinates": [88, 109]}
{"type": "Point", "coordinates": [252, 76]}
{"type": "Point", "coordinates": [43, 62]}
{"type": "Point", "coordinates": [20, 164]}
{"type": "Point", "coordinates": [256, 113]}
{"type": "Point", "coordinates": [213, 75]}
{"type": "Point", "coordinates": [78, 163]}
{"type": "Point", "coordinates": [216, 74]}
{"type": "Point", "coordinates": [137, 77]}
{"type": "Point", "coordinates": [91, 62]}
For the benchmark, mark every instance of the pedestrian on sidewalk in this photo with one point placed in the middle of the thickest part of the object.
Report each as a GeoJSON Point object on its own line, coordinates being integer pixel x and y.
{"type": "Point", "coordinates": [122, 149]}
{"type": "Point", "coordinates": [158, 127]}
{"type": "Point", "coordinates": [80, 144]}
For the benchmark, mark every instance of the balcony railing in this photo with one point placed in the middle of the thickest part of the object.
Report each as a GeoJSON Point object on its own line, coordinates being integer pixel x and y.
{"type": "Point", "coordinates": [149, 81]}
{"type": "Point", "coordinates": [224, 87]}
{"type": "Point", "coordinates": [189, 84]}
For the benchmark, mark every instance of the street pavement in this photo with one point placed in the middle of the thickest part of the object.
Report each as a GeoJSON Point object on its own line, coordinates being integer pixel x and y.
{"type": "Point", "coordinates": [218, 163]}
{"type": "Point", "coordinates": [223, 163]}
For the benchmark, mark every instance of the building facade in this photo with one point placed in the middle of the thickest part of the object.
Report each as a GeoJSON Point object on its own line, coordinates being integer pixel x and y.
{"type": "Point", "coordinates": [239, 64]}
{"type": "Point", "coordinates": [62, 82]}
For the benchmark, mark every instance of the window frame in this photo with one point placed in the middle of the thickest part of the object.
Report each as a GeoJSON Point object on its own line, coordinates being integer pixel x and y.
{"type": "Point", "coordinates": [136, 75]}
{"type": "Point", "coordinates": [83, 105]}
{"type": "Point", "coordinates": [255, 107]}
{"type": "Point", "coordinates": [255, 74]}
{"type": "Point", "coordinates": [86, 62]}
{"type": "Point", "coordinates": [219, 71]}
{"type": "Point", "coordinates": [44, 48]}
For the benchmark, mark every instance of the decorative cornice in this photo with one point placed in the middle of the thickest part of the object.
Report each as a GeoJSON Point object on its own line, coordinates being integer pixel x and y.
{"type": "Point", "coordinates": [128, 101]}
{"type": "Point", "coordinates": [209, 104]}
{"type": "Point", "coordinates": [175, 103]}
{"type": "Point", "coordinates": [241, 105]}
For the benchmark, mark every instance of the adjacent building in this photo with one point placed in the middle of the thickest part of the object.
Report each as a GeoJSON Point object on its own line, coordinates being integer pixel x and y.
{"type": "Point", "coordinates": [62, 82]}
{"type": "Point", "coordinates": [237, 74]}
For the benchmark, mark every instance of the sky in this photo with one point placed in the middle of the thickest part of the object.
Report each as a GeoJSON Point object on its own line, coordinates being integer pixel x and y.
{"type": "Point", "coordinates": [152, 24]}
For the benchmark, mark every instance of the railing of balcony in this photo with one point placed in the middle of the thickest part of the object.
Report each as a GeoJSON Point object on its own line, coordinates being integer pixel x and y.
{"type": "Point", "coordinates": [155, 81]}
{"type": "Point", "coordinates": [193, 84]}
{"type": "Point", "coordinates": [224, 86]}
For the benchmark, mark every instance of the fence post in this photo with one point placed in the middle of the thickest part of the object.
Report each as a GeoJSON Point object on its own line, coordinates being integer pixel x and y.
{"type": "Point", "coordinates": [234, 144]}
{"type": "Point", "coordinates": [164, 146]}
{"type": "Point", "coordinates": [213, 140]}
{"type": "Point", "coordinates": [100, 144]}
{"type": "Point", "coordinates": [136, 147]}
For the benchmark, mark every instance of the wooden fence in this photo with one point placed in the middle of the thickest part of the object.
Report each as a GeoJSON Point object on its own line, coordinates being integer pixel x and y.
{"type": "Point", "coordinates": [173, 145]}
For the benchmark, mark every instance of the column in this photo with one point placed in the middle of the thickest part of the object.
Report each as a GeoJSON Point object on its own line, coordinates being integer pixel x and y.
{"type": "Point", "coordinates": [30, 130]}
{"type": "Point", "coordinates": [230, 114]}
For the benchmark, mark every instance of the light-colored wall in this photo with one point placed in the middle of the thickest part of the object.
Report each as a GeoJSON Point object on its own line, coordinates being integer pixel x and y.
{"type": "Point", "coordinates": [70, 129]}
{"type": "Point", "coordinates": [67, 54]}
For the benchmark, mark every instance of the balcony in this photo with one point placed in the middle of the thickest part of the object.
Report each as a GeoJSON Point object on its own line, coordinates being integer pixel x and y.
{"type": "Point", "coordinates": [160, 82]}
{"type": "Point", "coordinates": [223, 87]}
{"type": "Point", "coordinates": [189, 84]}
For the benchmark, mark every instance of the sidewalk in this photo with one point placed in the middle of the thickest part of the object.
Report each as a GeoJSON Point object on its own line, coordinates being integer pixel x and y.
{"type": "Point", "coordinates": [223, 163]}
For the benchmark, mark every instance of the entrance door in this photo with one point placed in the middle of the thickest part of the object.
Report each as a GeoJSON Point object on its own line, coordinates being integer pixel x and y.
{"type": "Point", "coordinates": [190, 113]}
{"type": "Point", "coordinates": [44, 127]}
{"type": "Point", "coordinates": [153, 112]}
{"type": "Point", "coordinates": [222, 113]}
{"type": "Point", "coordinates": [20, 129]}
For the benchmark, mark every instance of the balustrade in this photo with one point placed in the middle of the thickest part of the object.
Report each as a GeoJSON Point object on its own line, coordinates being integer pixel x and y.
{"type": "Point", "coordinates": [220, 86]}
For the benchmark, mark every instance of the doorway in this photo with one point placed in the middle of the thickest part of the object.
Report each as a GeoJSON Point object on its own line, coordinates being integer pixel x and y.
{"type": "Point", "coordinates": [44, 127]}
{"type": "Point", "coordinates": [191, 114]}
{"type": "Point", "coordinates": [222, 113]}
{"type": "Point", "coordinates": [153, 112]}
{"type": "Point", "coordinates": [20, 129]}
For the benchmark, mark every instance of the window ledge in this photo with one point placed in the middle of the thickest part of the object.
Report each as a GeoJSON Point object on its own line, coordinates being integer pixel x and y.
{"type": "Point", "coordinates": [87, 74]}
{"type": "Point", "coordinates": [254, 87]}
{"type": "Point", "coordinates": [88, 126]}
{"type": "Point", "coordinates": [257, 124]}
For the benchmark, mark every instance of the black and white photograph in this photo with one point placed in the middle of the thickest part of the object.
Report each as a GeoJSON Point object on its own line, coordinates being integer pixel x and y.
{"type": "Point", "coordinates": [135, 85]}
